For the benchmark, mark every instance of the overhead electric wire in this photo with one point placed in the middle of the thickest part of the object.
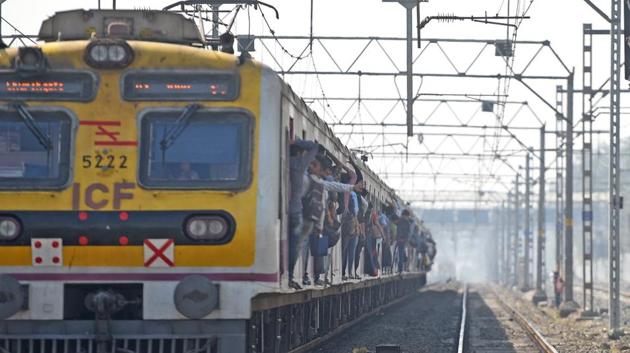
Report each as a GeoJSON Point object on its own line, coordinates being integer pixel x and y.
{"type": "Point", "coordinates": [509, 64]}
{"type": "Point", "coordinates": [321, 87]}
{"type": "Point", "coordinates": [285, 50]}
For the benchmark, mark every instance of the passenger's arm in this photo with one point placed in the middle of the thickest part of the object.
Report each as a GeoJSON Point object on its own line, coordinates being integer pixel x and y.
{"type": "Point", "coordinates": [357, 171]}
{"type": "Point", "coordinates": [337, 187]}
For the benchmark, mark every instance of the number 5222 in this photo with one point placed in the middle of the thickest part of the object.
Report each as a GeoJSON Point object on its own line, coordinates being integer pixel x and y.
{"type": "Point", "coordinates": [104, 161]}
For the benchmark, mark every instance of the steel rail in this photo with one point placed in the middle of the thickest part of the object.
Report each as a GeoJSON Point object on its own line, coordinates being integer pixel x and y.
{"type": "Point", "coordinates": [625, 296]}
{"type": "Point", "coordinates": [462, 325]}
{"type": "Point", "coordinates": [534, 334]}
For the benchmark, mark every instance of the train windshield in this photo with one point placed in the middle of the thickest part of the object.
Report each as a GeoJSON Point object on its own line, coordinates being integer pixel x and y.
{"type": "Point", "coordinates": [34, 149]}
{"type": "Point", "coordinates": [194, 149]}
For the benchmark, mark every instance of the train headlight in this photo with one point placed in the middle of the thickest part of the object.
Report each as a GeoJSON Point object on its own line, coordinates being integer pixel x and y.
{"type": "Point", "coordinates": [217, 227]}
{"type": "Point", "coordinates": [31, 60]}
{"type": "Point", "coordinates": [9, 228]}
{"type": "Point", "coordinates": [98, 53]}
{"type": "Point", "coordinates": [207, 228]}
{"type": "Point", "coordinates": [116, 53]}
{"type": "Point", "coordinates": [197, 228]}
{"type": "Point", "coordinates": [108, 54]}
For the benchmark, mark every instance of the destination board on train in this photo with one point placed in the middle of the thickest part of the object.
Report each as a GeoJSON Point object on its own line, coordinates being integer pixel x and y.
{"type": "Point", "coordinates": [180, 86]}
{"type": "Point", "coordinates": [66, 86]}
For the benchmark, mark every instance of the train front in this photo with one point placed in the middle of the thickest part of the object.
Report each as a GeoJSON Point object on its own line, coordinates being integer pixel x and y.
{"type": "Point", "coordinates": [129, 189]}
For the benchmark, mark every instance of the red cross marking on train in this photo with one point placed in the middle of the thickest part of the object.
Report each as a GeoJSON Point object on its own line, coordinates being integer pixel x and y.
{"type": "Point", "coordinates": [109, 131]}
{"type": "Point", "coordinates": [104, 132]}
{"type": "Point", "coordinates": [158, 253]}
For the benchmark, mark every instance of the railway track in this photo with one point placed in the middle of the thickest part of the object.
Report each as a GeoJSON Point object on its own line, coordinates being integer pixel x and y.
{"type": "Point", "coordinates": [625, 296]}
{"type": "Point", "coordinates": [483, 322]}
{"type": "Point", "coordinates": [490, 324]}
{"type": "Point", "coordinates": [601, 297]}
{"type": "Point", "coordinates": [426, 322]}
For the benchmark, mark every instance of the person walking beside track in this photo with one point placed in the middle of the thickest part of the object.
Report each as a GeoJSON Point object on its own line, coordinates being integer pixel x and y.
{"type": "Point", "coordinates": [558, 287]}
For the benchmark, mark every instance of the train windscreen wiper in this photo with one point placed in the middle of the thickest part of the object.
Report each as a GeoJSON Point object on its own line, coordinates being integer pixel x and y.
{"type": "Point", "coordinates": [180, 125]}
{"type": "Point", "coordinates": [30, 123]}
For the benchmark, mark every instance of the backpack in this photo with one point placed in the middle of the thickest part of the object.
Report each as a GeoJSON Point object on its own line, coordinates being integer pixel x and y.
{"type": "Point", "coordinates": [332, 230]}
{"type": "Point", "coordinates": [312, 202]}
{"type": "Point", "coordinates": [332, 234]}
{"type": "Point", "coordinates": [319, 245]}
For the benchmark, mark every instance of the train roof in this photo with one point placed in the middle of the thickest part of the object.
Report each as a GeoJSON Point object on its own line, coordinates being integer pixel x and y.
{"type": "Point", "coordinates": [339, 147]}
{"type": "Point", "coordinates": [145, 25]}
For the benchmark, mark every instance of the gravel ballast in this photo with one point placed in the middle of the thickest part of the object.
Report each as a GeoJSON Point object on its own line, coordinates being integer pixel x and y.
{"type": "Point", "coordinates": [427, 322]}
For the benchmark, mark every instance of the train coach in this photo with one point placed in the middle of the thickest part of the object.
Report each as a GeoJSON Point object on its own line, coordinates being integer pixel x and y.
{"type": "Point", "coordinates": [143, 195]}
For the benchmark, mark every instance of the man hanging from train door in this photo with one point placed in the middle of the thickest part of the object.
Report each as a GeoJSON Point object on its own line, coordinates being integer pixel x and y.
{"type": "Point", "coordinates": [302, 154]}
{"type": "Point", "coordinates": [403, 232]}
{"type": "Point", "coordinates": [313, 198]}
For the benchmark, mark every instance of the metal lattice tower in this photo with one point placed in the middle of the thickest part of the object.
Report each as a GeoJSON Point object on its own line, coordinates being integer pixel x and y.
{"type": "Point", "coordinates": [569, 305]}
{"type": "Point", "coordinates": [527, 227]}
{"type": "Point", "coordinates": [517, 242]}
{"type": "Point", "coordinates": [501, 258]}
{"type": "Point", "coordinates": [507, 263]}
{"type": "Point", "coordinates": [587, 171]}
{"type": "Point", "coordinates": [540, 295]}
{"type": "Point", "coordinates": [559, 180]}
{"type": "Point", "coordinates": [615, 177]}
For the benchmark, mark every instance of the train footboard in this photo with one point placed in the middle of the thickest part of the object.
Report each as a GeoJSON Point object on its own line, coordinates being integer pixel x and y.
{"type": "Point", "coordinates": [298, 321]}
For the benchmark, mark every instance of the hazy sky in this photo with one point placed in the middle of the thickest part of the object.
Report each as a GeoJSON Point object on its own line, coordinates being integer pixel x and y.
{"type": "Point", "coordinates": [559, 21]}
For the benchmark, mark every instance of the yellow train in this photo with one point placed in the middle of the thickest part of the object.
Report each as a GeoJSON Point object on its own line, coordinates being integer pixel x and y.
{"type": "Point", "coordinates": [143, 188]}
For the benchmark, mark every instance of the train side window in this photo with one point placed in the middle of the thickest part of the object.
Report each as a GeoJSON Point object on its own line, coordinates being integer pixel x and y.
{"type": "Point", "coordinates": [291, 134]}
{"type": "Point", "coordinates": [35, 157]}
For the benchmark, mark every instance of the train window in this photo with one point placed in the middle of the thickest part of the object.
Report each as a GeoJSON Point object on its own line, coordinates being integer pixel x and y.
{"type": "Point", "coordinates": [180, 85]}
{"type": "Point", "coordinates": [34, 156]}
{"type": "Point", "coordinates": [208, 150]}
{"type": "Point", "coordinates": [291, 135]}
{"type": "Point", "coordinates": [51, 86]}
